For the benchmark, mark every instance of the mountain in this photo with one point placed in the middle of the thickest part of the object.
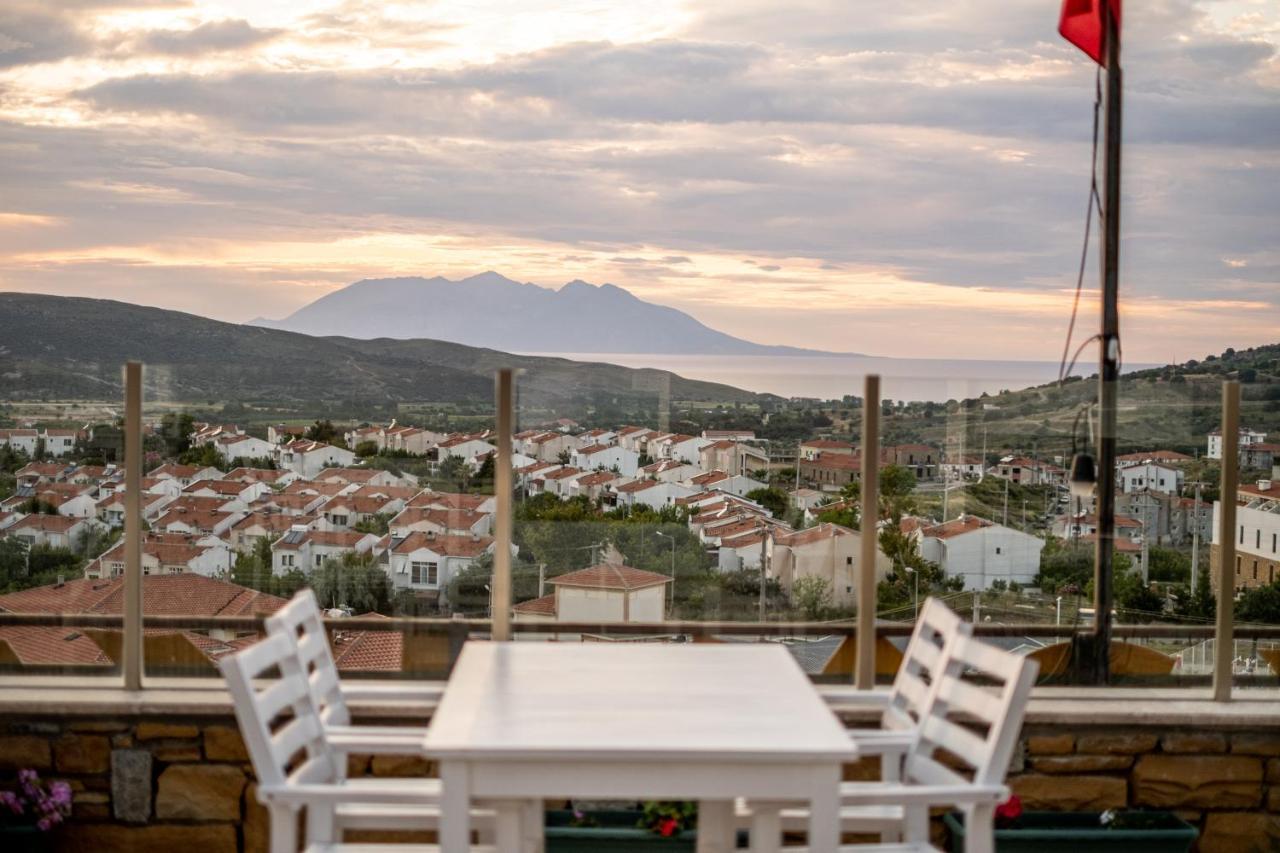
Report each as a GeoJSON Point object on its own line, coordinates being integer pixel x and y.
{"type": "Point", "coordinates": [67, 347]}
{"type": "Point", "coordinates": [490, 310]}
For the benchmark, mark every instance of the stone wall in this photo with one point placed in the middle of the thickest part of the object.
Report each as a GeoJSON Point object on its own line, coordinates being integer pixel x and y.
{"type": "Point", "coordinates": [184, 785]}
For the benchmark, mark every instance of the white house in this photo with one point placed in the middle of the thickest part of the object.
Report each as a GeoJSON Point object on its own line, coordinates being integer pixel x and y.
{"type": "Point", "coordinates": [231, 447]}
{"type": "Point", "coordinates": [732, 457]}
{"type": "Point", "coordinates": [56, 531]}
{"type": "Point", "coordinates": [651, 493]}
{"type": "Point", "coordinates": [547, 446]}
{"type": "Point", "coordinates": [600, 594]}
{"type": "Point", "coordinates": [464, 447]}
{"type": "Point", "coordinates": [736, 484]}
{"type": "Point", "coordinates": [309, 458]}
{"type": "Point", "coordinates": [827, 551]}
{"type": "Point", "coordinates": [185, 475]}
{"type": "Point", "coordinates": [669, 471]}
{"type": "Point", "coordinates": [427, 562]}
{"type": "Point", "coordinates": [595, 436]}
{"type": "Point", "coordinates": [982, 551]}
{"type": "Point", "coordinates": [606, 457]}
{"type": "Point", "coordinates": [1247, 437]}
{"type": "Point", "coordinates": [962, 468]}
{"type": "Point", "coordinates": [21, 440]}
{"type": "Point", "coordinates": [238, 490]}
{"type": "Point", "coordinates": [59, 442]}
{"type": "Point", "coordinates": [1152, 477]}
{"type": "Point", "coordinates": [742, 551]}
{"type": "Point", "coordinates": [305, 549]}
{"type": "Point", "coordinates": [215, 522]}
{"type": "Point", "coordinates": [169, 554]}
{"type": "Point", "coordinates": [560, 481]}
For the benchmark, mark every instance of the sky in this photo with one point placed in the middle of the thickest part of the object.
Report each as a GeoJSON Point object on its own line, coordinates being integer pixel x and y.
{"type": "Point", "coordinates": [898, 177]}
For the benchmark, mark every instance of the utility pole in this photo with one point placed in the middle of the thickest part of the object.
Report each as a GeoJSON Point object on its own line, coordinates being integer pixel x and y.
{"type": "Point", "coordinates": [1195, 538]}
{"type": "Point", "coordinates": [542, 579]}
{"type": "Point", "coordinates": [764, 567]}
{"type": "Point", "coordinates": [1006, 500]}
{"type": "Point", "coordinates": [1098, 665]}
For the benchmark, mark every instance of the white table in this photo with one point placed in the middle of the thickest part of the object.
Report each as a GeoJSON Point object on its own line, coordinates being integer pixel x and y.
{"type": "Point", "coordinates": [528, 721]}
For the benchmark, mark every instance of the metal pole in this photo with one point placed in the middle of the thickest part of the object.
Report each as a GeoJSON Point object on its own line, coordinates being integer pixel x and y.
{"type": "Point", "coordinates": [1109, 365]}
{"type": "Point", "coordinates": [673, 576]}
{"type": "Point", "coordinates": [1195, 541]}
{"type": "Point", "coordinates": [865, 672]}
{"type": "Point", "coordinates": [133, 661]}
{"type": "Point", "coordinates": [505, 387]}
{"type": "Point", "coordinates": [1224, 644]}
{"type": "Point", "coordinates": [764, 567]}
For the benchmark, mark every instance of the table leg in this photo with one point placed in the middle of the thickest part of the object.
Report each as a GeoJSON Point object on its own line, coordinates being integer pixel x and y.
{"type": "Point", "coordinates": [766, 827]}
{"type": "Point", "coordinates": [824, 810]}
{"type": "Point", "coordinates": [534, 819]}
{"type": "Point", "coordinates": [715, 826]}
{"type": "Point", "coordinates": [455, 807]}
{"type": "Point", "coordinates": [509, 819]}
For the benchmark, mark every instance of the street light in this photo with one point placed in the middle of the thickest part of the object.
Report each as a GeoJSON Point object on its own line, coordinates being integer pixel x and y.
{"type": "Point", "coordinates": [673, 567]}
{"type": "Point", "coordinates": [915, 607]}
{"type": "Point", "coordinates": [1059, 610]}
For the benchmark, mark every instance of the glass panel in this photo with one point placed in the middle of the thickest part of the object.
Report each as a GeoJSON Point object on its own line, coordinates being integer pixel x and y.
{"type": "Point", "coordinates": [59, 464]}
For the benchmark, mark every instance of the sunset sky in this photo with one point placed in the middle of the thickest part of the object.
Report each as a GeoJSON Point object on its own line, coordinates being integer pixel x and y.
{"type": "Point", "coordinates": [903, 178]}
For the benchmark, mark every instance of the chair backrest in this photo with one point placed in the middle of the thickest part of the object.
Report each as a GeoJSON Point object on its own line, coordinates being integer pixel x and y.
{"type": "Point", "coordinates": [301, 620]}
{"type": "Point", "coordinates": [974, 727]}
{"type": "Point", "coordinates": [936, 626]}
{"type": "Point", "coordinates": [278, 718]}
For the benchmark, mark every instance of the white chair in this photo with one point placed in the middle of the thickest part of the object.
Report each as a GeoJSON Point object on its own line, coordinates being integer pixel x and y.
{"type": "Point", "coordinates": [301, 620]}
{"type": "Point", "coordinates": [298, 770]}
{"type": "Point", "coordinates": [935, 627]}
{"type": "Point", "coordinates": [961, 725]}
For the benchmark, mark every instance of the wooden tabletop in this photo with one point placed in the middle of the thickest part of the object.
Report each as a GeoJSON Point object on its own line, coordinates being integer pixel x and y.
{"type": "Point", "coordinates": [633, 701]}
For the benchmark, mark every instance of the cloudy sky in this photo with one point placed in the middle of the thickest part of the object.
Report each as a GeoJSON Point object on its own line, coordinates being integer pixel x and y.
{"type": "Point", "coordinates": [905, 177]}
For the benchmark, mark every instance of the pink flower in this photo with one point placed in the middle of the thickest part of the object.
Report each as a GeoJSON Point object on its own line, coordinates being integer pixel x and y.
{"type": "Point", "coordinates": [1009, 811]}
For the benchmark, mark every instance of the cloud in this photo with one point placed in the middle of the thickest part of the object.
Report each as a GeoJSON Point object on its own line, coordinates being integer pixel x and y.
{"type": "Point", "coordinates": [211, 36]}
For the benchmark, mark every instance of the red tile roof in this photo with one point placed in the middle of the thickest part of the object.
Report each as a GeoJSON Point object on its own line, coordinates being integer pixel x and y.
{"type": "Point", "coordinates": [608, 576]}
{"type": "Point", "coordinates": [447, 545]}
{"type": "Point", "coordinates": [956, 527]}
{"type": "Point", "coordinates": [545, 606]}
{"type": "Point", "coordinates": [811, 535]}
{"type": "Point", "coordinates": [176, 595]}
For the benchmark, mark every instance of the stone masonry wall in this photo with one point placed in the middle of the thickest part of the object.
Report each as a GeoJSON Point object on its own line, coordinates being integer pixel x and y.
{"type": "Point", "coordinates": [183, 785]}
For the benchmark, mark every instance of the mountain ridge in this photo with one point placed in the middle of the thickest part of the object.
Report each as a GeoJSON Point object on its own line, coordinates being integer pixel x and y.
{"type": "Point", "coordinates": [491, 310]}
{"type": "Point", "coordinates": [74, 347]}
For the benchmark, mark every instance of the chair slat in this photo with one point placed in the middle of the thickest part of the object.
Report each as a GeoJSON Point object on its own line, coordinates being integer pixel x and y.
{"type": "Point", "coordinates": [279, 696]}
{"type": "Point", "coordinates": [955, 738]}
{"type": "Point", "coordinates": [973, 700]}
{"type": "Point", "coordinates": [293, 736]}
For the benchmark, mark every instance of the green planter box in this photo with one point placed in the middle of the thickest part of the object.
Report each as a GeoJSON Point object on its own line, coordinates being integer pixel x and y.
{"type": "Point", "coordinates": [617, 833]}
{"type": "Point", "coordinates": [1070, 832]}
{"type": "Point", "coordinates": [24, 839]}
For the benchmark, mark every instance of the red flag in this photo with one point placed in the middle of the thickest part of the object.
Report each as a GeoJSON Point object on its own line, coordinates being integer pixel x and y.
{"type": "Point", "coordinates": [1082, 25]}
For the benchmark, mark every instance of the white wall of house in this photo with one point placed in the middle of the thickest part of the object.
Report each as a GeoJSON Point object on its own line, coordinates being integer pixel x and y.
{"type": "Point", "coordinates": [246, 447]}
{"type": "Point", "coordinates": [1157, 478]}
{"type": "Point", "coordinates": [985, 555]}
{"type": "Point", "coordinates": [835, 559]}
{"type": "Point", "coordinates": [625, 462]}
{"type": "Point", "coordinates": [586, 604]}
{"type": "Point", "coordinates": [1247, 436]}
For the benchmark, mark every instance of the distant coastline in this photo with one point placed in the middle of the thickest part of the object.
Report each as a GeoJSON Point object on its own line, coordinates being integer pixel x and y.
{"type": "Point", "coordinates": [834, 376]}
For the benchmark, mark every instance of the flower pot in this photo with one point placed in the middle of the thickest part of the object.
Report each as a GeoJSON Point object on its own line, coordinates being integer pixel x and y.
{"type": "Point", "coordinates": [25, 838]}
{"type": "Point", "coordinates": [617, 831]}
{"type": "Point", "coordinates": [1069, 832]}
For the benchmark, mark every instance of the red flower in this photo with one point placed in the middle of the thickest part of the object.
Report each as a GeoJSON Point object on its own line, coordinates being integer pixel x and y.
{"type": "Point", "coordinates": [668, 827]}
{"type": "Point", "coordinates": [1010, 810]}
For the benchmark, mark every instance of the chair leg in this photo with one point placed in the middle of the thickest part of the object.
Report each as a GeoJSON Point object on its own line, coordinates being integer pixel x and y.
{"type": "Point", "coordinates": [284, 829]}
{"type": "Point", "coordinates": [766, 827]}
{"type": "Point", "coordinates": [980, 828]}
{"type": "Point", "coordinates": [915, 825]}
{"type": "Point", "coordinates": [321, 825]}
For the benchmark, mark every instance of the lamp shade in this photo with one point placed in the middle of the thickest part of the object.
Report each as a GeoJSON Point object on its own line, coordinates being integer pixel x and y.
{"type": "Point", "coordinates": [1084, 476]}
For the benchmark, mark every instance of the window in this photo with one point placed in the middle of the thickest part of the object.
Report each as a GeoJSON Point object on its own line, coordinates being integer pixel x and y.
{"type": "Point", "coordinates": [286, 560]}
{"type": "Point", "coordinates": [424, 573]}
{"type": "Point", "coordinates": [340, 520]}
{"type": "Point", "coordinates": [1273, 542]}
{"type": "Point", "coordinates": [997, 549]}
{"type": "Point", "coordinates": [319, 560]}
{"type": "Point", "coordinates": [1242, 534]}
{"type": "Point", "coordinates": [848, 561]}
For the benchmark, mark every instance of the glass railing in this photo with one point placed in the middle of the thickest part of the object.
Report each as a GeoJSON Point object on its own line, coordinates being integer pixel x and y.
{"type": "Point", "coordinates": [648, 507]}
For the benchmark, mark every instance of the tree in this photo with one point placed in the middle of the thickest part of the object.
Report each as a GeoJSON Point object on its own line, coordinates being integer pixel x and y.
{"type": "Point", "coordinates": [378, 524]}
{"type": "Point", "coordinates": [175, 431]}
{"type": "Point", "coordinates": [1259, 604]}
{"type": "Point", "coordinates": [366, 448]}
{"type": "Point", "coordinates": [811, 595]}
{"type": "Point", "coordinates": [772, 499]}
{"type": "Point", "coordinates": [324, 431]}
{"type": "Point", "coordinates": [353, 581]}
{"type": "Point", "coordinates": [1203, 605]}
{"type": "Point", "coordinates": [13, 563]}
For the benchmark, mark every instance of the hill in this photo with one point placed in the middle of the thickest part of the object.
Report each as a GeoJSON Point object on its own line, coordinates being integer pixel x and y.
{"type": "Point", "coordinates": [490, 310]}
{"type": "Point", "coordinates": [66, 347]}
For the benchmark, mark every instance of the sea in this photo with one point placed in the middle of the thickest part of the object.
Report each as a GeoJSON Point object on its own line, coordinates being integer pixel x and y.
{"type": "Point", "coordinates": [832, 377]}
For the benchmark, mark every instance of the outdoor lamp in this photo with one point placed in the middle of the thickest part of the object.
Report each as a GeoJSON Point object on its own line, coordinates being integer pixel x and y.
{"type": "Point", "coordinates": [1083, 475]}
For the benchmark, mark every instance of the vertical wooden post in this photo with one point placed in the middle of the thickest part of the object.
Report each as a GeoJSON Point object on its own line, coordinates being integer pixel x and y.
{"type": "Point", "coordinates": [132, 640]}
{"type": "Point", "coordinates": [503, 522]}
{"type": "Point", "coordinates": [1109, 366]}
{"type": "Point", "coordinates": [1224, 645]}
{"type": "Point", "coordinates": [865, 674]}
